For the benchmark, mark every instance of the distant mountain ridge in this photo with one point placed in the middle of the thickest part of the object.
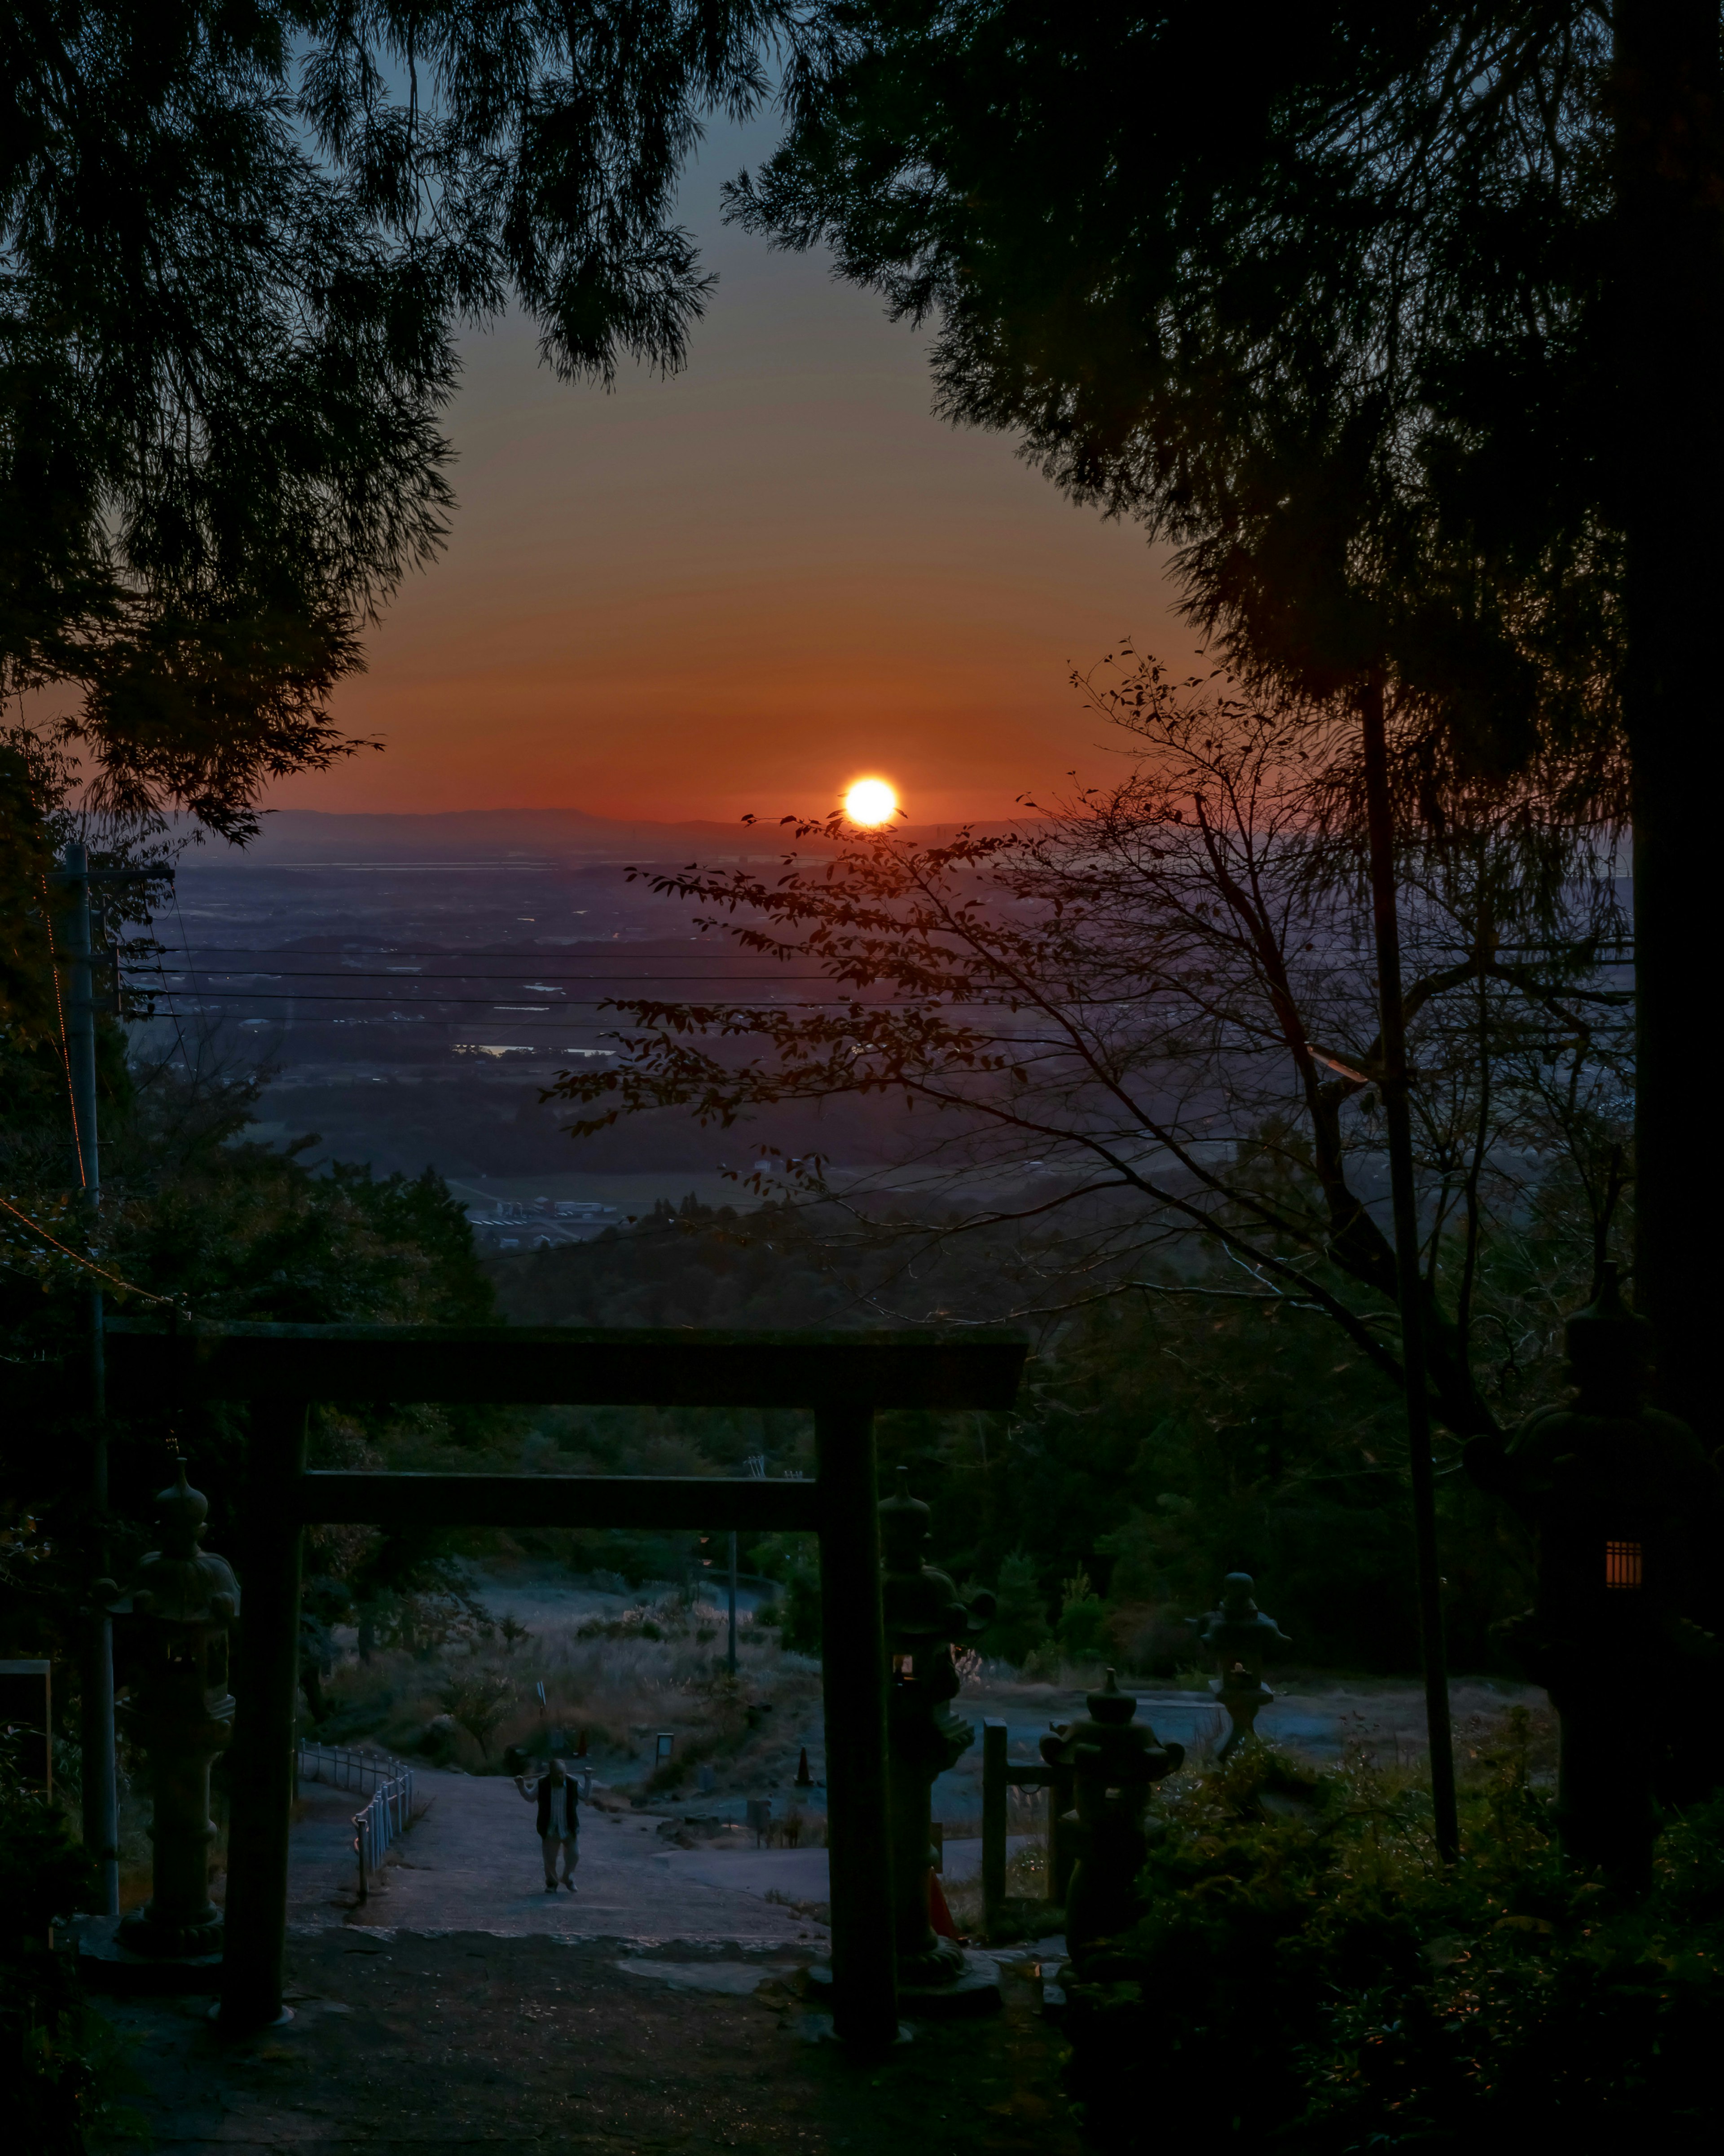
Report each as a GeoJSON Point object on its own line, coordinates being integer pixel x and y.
{"type": "Point", "coordinates": [317, 837]}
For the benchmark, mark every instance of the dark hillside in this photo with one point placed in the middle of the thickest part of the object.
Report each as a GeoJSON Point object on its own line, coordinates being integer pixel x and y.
{"type": "Point", "coordinates": [1160, 1442]}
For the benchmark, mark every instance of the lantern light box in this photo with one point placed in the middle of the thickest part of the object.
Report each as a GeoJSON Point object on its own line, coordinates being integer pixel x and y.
{"type": "Point", "coordinates": [1623, 1565]}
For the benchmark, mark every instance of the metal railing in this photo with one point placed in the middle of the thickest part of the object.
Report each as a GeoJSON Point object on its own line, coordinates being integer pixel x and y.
{"type": "Point", "coordinates": [386, 1818]}
{"type": "Point", "coordinates": [382, 1824]}
{"type": "Point", "coordinates": [343, 1769]}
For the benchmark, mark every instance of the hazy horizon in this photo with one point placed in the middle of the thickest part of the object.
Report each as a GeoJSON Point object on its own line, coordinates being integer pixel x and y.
{"type": "Point", "coordinates": [295, 839]}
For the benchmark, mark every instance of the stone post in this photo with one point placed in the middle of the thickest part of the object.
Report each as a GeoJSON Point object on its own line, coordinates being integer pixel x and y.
{"type": "Point", "coordinates": [181, 1713]}
{"type": "Point", "coordinates": [923, 1618]}
{"type": "Point", "coordinates": [1240, 1637]}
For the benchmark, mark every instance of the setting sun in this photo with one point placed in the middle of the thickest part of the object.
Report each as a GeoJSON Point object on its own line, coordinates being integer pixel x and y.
{"type": "Point", "coordinates": [870, 801]}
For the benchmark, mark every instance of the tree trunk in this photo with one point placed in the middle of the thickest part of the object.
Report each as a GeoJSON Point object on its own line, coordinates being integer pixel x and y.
{"type": "Point", "coordinates": [1409, 1283]}
{"type": "Point", "coordinates": [1668, 316]}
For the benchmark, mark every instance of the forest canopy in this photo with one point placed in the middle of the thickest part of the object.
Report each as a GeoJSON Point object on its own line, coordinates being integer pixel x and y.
{"type": "Point", "coordinates": [237, 244]}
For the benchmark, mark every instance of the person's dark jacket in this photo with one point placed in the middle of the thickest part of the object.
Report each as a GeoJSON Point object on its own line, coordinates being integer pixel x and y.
{"type": "Point", "coordinates": [573, 1797]}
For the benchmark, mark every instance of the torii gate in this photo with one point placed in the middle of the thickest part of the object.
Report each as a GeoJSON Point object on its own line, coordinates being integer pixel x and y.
{"type": "Point", "coordinates": [843, 1377]}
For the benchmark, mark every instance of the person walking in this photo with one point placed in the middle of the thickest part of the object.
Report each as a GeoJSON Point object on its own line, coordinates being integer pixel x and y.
{"type": "Point", "coordinates": [559, 1826]}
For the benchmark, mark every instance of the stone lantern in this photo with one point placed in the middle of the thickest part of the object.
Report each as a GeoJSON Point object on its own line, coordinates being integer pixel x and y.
{"type": "Point", "coordinates": [924, 1619]}
{"type": "Point", "coordinates": [1620, 1498]}
{"type": "Point", "coordinates": [1115, 1762]}
{"type": "Point", "coordinates": [1241, 1638]}
{"type": "Point", "coordinates": [181, 1712]}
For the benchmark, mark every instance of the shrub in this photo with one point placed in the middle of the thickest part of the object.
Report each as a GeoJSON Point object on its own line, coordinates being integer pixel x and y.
{"type": "Point", "coordinates": [477, 1700]}
{"type": "Point", "coordinates": [1311, 1974]}
{"type": "Point", "coordinates": [64, 2066]}
{"type": "Point", "coordinates": [793, 1564]}
{"type": "Point", "coordinates": [1020, 1617]}
{"type": "Point", "coordinates": [1083, 1618]}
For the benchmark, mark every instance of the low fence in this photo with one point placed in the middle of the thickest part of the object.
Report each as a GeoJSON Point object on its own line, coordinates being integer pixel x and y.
{"type": "Point", "coordinates": [386, 1818]}
{"type": "Point", "coordinates": [342, 1769]}
{"type": "Point", "coordinates": [999, 1776]}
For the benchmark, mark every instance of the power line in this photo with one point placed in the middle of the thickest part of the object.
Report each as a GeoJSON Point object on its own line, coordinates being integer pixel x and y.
{"type": "Point", "coordinates": [468, 973]}
{"type": "Point", "coordinates": [599, 943]}
{"type": "Point", "coordinates": [557, 980]}
{"type": "Point", "coordinates": [399, 950]}
{"type": "Point", "coordinates": [572, 1003]}
{"type": "Point", "coordinates": [89, 1265]}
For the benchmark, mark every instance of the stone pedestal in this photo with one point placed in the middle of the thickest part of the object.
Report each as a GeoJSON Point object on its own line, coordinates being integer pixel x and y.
{"type": "Point", "coordinates": [1241, 1638]}
{"type": "Point", "coordinates": [106, 1963]}
{"type": "Point", "coordinates": [1244, 1704]}
{"type": "Point", "coordinates": [970, 1986]}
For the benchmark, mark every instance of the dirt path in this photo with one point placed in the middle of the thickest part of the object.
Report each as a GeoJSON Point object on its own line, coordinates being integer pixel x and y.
{"type": "Point", "coordinates": [469, 2043]}
{"type": "Point", "coordinates": [472, 1863]}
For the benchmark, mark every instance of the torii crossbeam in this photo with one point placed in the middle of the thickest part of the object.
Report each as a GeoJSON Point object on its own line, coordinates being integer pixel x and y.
{"type": "Point", "coordinates": [843, 1378]}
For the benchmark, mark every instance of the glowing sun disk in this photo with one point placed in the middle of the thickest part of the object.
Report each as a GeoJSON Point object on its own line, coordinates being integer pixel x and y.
{"type": "Point", "coordinates": [870, 801]}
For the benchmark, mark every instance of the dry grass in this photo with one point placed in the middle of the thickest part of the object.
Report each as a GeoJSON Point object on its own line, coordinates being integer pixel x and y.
{"type": "Point", "coordinates": [616, 1693]}
{"type": "Point", "coordinates": [1028, 1912]}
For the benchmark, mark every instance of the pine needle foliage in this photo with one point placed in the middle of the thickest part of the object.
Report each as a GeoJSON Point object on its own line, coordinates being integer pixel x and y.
{"type": "Point", "coordinates": [238, 240]}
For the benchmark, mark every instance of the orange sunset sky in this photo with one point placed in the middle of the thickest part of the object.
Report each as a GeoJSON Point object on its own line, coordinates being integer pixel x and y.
{"type": "Point", "coordinates": [736, 590]}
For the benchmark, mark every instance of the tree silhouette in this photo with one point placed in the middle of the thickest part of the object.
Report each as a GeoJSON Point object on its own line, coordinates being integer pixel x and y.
{"type": "Point", "coordinates": [477, 1700]}
{"type": "Point", "coordinates": [1161, 997]}
{"type": "Point", "coordinates": [235, 245]}
{"type": "Point", "coordinates": [1402, 327]}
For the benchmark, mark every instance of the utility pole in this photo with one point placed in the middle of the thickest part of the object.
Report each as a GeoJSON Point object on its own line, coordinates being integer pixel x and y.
{"type": "Point", "coordinates": [730, 1653]}
{"type": "Point", "coordinates": [754, 1466]}
{"type": "Point", "coordinates": [1409, 1281]}
{"type": "Point", "coordinates": [76, 957]}
{"type": "Point", "coordinates": [1662, 349]}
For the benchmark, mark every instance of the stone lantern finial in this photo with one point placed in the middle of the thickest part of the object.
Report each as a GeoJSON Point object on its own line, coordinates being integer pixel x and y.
{"type": "Point", "coordinates": [1111, 1707]}
{"type": "Point", "coordinates": [1609, 1350]}
{"type": "Point", "coordinates": [905, 1525]}
{"type": "Point", "coordinates": [181, 1511]}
